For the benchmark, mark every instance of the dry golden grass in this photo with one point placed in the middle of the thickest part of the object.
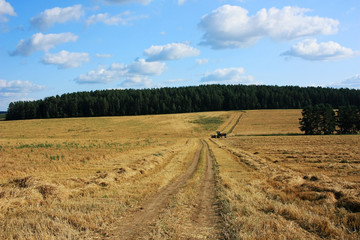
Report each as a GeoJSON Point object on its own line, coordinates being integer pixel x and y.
{"type": "Point", "coordinates": [265, 122]}
{"type": "Point", "coordinates": [81, 178]}
{"type": "Point", "coordinates": [337, 156]}
{"type": "Point", "coordinates": [286, 187]}
{"type": "Point", "coordinates": [269, 200]}
{"type": "Point", "coordinates": [74, 178]}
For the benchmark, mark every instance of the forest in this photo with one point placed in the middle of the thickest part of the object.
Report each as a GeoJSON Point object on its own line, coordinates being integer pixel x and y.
{"type": "Point", "coordinates": [323, 119]}
{"type": "Point", "coordinates": [180, 100]}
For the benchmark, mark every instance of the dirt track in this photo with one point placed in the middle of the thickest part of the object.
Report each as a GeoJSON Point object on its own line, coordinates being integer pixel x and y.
{"type": "Point", "coordinates": [137, 224]}
{"type": "Point", "coordinates": [157, 181]}
{"type": "Point", "coordinates": [206, 214]}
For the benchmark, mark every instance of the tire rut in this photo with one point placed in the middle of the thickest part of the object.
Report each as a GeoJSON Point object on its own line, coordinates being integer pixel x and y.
{"type": "Point", "coordinates": [206, 214]}
{"type": "Point", "coordinates": [136, 224]}
{"type": "Point", "coordinates": [232, 123]}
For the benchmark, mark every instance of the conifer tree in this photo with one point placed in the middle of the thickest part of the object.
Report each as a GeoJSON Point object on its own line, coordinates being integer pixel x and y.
{"type": "Point", "coordinates": [318, 119]}
{"type": "Point", "coordinates": [348, 120]}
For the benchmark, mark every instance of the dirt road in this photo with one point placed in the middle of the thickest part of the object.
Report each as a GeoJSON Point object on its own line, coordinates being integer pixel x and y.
{"type": "Point", "coordinates": [138, 223]}
{"type": "Point", "coordinates": [206, 214]}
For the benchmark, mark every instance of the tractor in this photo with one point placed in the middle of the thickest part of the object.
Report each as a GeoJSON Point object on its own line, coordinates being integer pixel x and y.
{"type": "Point", "coordinates": [219, 135]}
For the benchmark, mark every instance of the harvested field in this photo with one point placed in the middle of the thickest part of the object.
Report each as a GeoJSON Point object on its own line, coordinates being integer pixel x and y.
{"type": "Point", "coordinates": [76, 178]}
{"type": "Point", "coordinates": [267, 122]}
{"type": "Point", "coordinates": [278, 187]}
{"type": "Point", "coordinates": [162, 177]}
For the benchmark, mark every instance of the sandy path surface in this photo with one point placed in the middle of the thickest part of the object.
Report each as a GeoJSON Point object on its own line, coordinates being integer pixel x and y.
{"type": "Point", "coordinates": [137, 224]}
{"type": "Point", "coordinates": [206, 213]}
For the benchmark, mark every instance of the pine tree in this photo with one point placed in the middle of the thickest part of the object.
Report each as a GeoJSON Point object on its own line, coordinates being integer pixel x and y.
{"type": "Point", "coordinates": [308, 122]}
{"type": "Point", "coordinates": [327, 116]}
{"type": "Point", "coordinates": [318, 119]}
{"type": "Point", "coordinates": [348, 120]}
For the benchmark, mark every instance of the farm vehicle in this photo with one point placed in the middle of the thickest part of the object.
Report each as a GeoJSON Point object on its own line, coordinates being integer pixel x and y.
{"type": "Point", "coordinates": [219, 135]}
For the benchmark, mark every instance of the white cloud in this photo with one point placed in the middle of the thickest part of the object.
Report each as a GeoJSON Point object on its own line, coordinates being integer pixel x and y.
{"type": "Point", "coordinates": [142, 67]}
{"type": "Point", "coordinates": [11, 87]}
{"type": "Point", "coordinates": [66, 59]}
{"type": "Point", "coordinates": [56, 15]}
{"type": "Point", "coordinates": [136, 81]}
{"type": "Point", "coordinates": [202, 61]}
{"type": "Point", "coordinates": [144, 2]}
{"type": "Point", "coordinates": [42, 42]}
{"type": "Point", "coordinates": [132, 73]}
{"type": "Point", "coordinates": [171, 51]}
{"type": "Point", "coordinates": [101, 75]}
{"type": "Point", "coordinates": [310, 49]}
{"type": "Point", "coordinates": [122, 18]}
{"type": "Point", "coordinates": [231, 27]}
{"type": "Point", "coordinates": [6, 9]}
{"type": "Point", "coordinates": [228, 76]}
{"type": "Point", "coordinates": [11, 91]}
{"type": "Point", "coordinates": [103, 17]}
{"type": "Point", "coordinates": [351, 82]}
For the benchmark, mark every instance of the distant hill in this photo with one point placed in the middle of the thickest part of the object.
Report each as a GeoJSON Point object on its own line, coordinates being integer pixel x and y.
{"type": "Point", "coordinates": [180, 100]}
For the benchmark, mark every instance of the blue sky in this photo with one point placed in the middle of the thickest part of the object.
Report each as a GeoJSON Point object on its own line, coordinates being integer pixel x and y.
{"type": "Point", "coordinates": [53, 47]}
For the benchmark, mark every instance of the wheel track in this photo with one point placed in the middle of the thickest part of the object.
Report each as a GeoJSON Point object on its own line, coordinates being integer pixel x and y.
{"type": "Point", "coordinates": [230, 126]}
{"type": "Point", "coordinates": [206, 214]}
{"type": "Point", "coordinates": [136, 224]}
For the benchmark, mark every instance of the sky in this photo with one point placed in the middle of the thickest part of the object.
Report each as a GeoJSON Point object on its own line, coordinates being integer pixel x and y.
{"type": "Point", "coordinates": [53, 47]}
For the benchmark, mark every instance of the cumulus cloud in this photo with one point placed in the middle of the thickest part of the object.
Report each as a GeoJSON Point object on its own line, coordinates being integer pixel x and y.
{"type": "Point", "coordinates": [6, 9]}
{"type": "Point", "coordinates": [66, 59]}
{"type": "Point", "coordinates": [136, 81]}
{"type": "Point", "coordinates": [142, 67]}
{"type": "Point", "coordinates": [56, 15]}
{"type": "Point", "coordinates": [144, 2]}
{"type": "Point", "coordinates": [351, 82]}
{"type": "Point", "coordinates": [310, 49]}
{"type": "Point", "coordinates": [11, 91]}
{"type": "Point", "coordinates": [228, 76]}
{"type": "Point", "coordinates": [231, 27]}
{"type": "Point", "coordinates": [13, 87]}
{"type": "Point", "coordinates": [102, 75]}
{"type": "Point", "coordinates": [42, 42]}
{"type": "Point", "coordinates": [17, 88]}
{"type": "Point", "coordinates": [122, 18]}
{"type": "Point", "coordinates": [132, 74]}
{"type": "Point", "coordinates": [171, 51]}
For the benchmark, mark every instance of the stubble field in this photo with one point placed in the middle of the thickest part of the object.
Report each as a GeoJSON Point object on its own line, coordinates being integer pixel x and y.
{"type": "Point", "coordinates": [162, 177]}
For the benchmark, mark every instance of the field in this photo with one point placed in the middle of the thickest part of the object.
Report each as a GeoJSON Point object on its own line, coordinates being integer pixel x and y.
{"type": "Point", "coordinates": [162, 177]}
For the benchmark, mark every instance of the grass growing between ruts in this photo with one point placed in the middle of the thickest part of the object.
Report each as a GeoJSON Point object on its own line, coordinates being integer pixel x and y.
{"type": "Point", "coordinates": [77, 178]}
{"type": "Point", "coordinates": [74, 178]}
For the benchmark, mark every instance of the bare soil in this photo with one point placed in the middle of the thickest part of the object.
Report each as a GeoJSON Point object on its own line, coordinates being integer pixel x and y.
{"type": "Point", "coordinates": [137, 223]}
{"type": "Point", "coordinates": [206, 212]}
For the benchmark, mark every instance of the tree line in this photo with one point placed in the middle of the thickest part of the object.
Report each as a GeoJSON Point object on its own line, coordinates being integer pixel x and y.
{"type": "Point", "coordinates": [180, 100]}
{"type": "Point", "coordinates": [322, 119]}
